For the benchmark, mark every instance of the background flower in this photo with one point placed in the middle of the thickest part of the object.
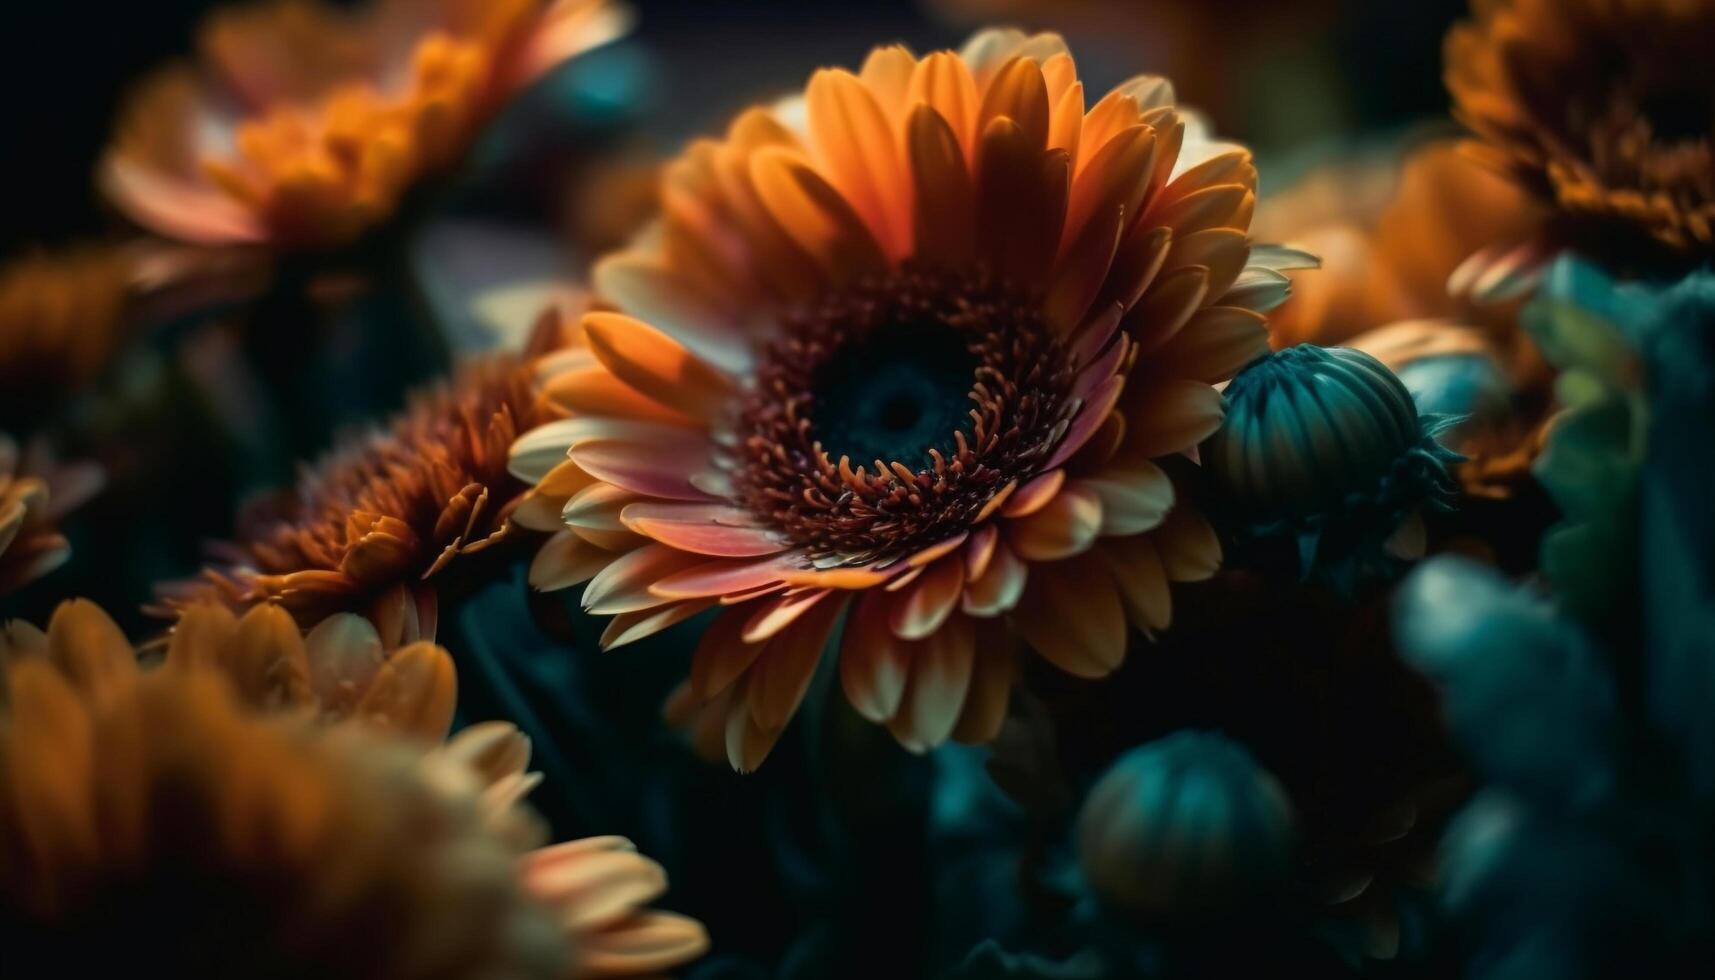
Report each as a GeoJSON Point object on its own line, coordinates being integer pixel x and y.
{"type": "Point", "coordinates": [150, 817]}
{"type": "Point", "coordinates": [1601, 110]}
{"type": "Point", "coordinates": [386, 521]}
{"type": "Point", "coordinates": [305, 125]}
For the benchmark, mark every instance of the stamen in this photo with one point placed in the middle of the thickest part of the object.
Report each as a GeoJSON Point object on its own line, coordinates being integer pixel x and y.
{"type": "Point", "coordinates": [924, 334]}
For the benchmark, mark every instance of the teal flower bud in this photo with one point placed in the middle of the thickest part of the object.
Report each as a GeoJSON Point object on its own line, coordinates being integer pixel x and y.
{"type": "Point", "coordinates": [1325, 444]}
{"type": "Point", "coordinates": [1185, 830]}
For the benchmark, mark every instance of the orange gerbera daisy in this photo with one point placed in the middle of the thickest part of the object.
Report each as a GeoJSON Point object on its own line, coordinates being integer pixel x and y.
{"type": "Point", "coordinates": [1606, 111]}
{"type": "Point", "coordinates": [390, 518]}
{"type": "Point", "coordinates": [432, 843]}
{"type": "Point", "coordinates": [304, 125]}
{"type": "Point", "coordinates": [918, 364]}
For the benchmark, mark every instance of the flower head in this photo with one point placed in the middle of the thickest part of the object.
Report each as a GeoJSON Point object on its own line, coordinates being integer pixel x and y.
{"type": "Point", "coordinates": [339, 735]}
{"type": "Point", "coordinates": [304, 125]}
{"type": "Point", "coordinates": [1326, 445]}
{"type": "Point", "coordinates": [389, 518]}
{"type": "Point", "coordinates": [1604, 111]}
{"type": "Point", "coordinates": [914, 364]}
{"type": "Point", "coordinates": [1185, 828]}
{"type": "Point", "coordinates": [153, 815]}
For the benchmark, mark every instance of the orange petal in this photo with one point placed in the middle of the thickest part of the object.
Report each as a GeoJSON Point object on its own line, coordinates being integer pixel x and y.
{"type": "Point", "coordinates": [857, 150]}
{"type": "Point", "coordinates": [783, 672]}
{"type": "Point", "coordinates": [657, 468]}
{"type": "Point", "coordinates": [990, 687]}
{"type": "Point", "coordinates": [1072, 615]}
{"type": "Point", "coordinates": [90, 648]}
{"type": "Point", "coordinates": [998, 589]}
{"type": "Point", "coordinates": [874, 663]}
{"type": "Point", "coordinates": [1067, 526]}
{"type": "Point", "coordinates": [718, 530]}
{"type": "Point", "coordinates": [641, 286]}
{"type": "Point", "coordinates": [1170, 417]}
{"type": "Point", "coordinates": [1222, 251]}
{"type": "Point", "coordinates": [722, 655]}
{"type": "Point", "coordinates": [1142, 580]}
{"type": "Point", "coordinates": [725, 578]}
{"type": "Point", "coordinates": [565, 560]}
{"type": "Point", "coordinates": [1135, 497]}
{"type": "Point", "coordinates": [1212, 348]}
{"type": "Point", "coordinates": [1167, 305]}
{"type": "Point", "coordinates": [623, 586]}
{"type": "Point", "coordinates": [1021, 203]}
{"type": "Point", "coordinates": [923, 608]}
{"type": "Point", "coordinates": [774, 615]}
{"type": "Point", "coordinates": [941, 668]}
{"type": "Point", "coordinates": [656, 365]}
{"type": "Point", "coordinates": [1035, 495]}
{"type": "Point", "coordinates": [644, 623]}
{"type": "Point", "coordinates": [943, 81]}
{"type": "Point", "coordinates": [1018, 93]}
{"type": "Point", "coordinates": [945, 218]}
{"type": "Point", "coordinates": [413, 693]}
{"type": "Point", "coordinates": [1190, 551]}
{"type": "Point", "coordinates": [815, 215]}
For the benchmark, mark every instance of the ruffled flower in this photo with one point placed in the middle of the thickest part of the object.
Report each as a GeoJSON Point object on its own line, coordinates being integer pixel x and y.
{"type": "Point", "coordinates": [917, 365]}
{"type": "Point", "coordinates": [304, 125]}
{"type": "Point", "coordinates": [389, 519]}
{"type": "Point", "coordinates": [1601, 110]}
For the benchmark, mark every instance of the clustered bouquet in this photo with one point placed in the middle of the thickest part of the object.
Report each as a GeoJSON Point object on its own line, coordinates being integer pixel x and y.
{"type": "Point", "coordinates": [945, 516]}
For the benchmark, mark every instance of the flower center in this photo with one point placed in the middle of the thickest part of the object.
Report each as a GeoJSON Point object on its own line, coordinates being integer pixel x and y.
{"type": "Point", "coordinates": [888, 415]}
{"type": "Point", "coordinates": [1655, 137]}
{"type": "Point", "coordinates": [895, 393]}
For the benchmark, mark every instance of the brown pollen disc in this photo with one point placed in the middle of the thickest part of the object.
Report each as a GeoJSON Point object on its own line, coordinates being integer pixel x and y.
{"type": "Point", "coordinates": [889, 414]}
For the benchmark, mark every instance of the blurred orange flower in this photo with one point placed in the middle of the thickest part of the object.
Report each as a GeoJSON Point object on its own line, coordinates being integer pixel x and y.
{"type": "Point", "coordinates": [119, 786]}
{"type": "Point", "coordinates": [917, 356]}
{"type": "Point", "coordinates": [304, 125]}
{"type": "Point", "coordinates": [1604, 111]}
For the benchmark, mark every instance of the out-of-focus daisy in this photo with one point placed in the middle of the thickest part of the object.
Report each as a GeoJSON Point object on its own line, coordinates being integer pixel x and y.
{"type": "Point", "coordinates": [1605, 112]}
{"type": "Point", "coordinates": [1390, 231]}
{"type": "Point", "coordinates": [914, 363]}
{"type": "Point", "coordinates": [391, 517]}
{"type": "Point", "coordinates": [35, 492]}
{"type": "Point", "coordinates": [204, 780]}
{"type": "Point", "coordinates": [303, 125]}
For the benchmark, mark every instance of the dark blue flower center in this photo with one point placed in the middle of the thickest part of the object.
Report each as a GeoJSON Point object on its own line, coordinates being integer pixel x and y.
{"type": "Point", "coordinates": [895, 394]}
{"type": "Point", "coordinates": [888, 414]}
